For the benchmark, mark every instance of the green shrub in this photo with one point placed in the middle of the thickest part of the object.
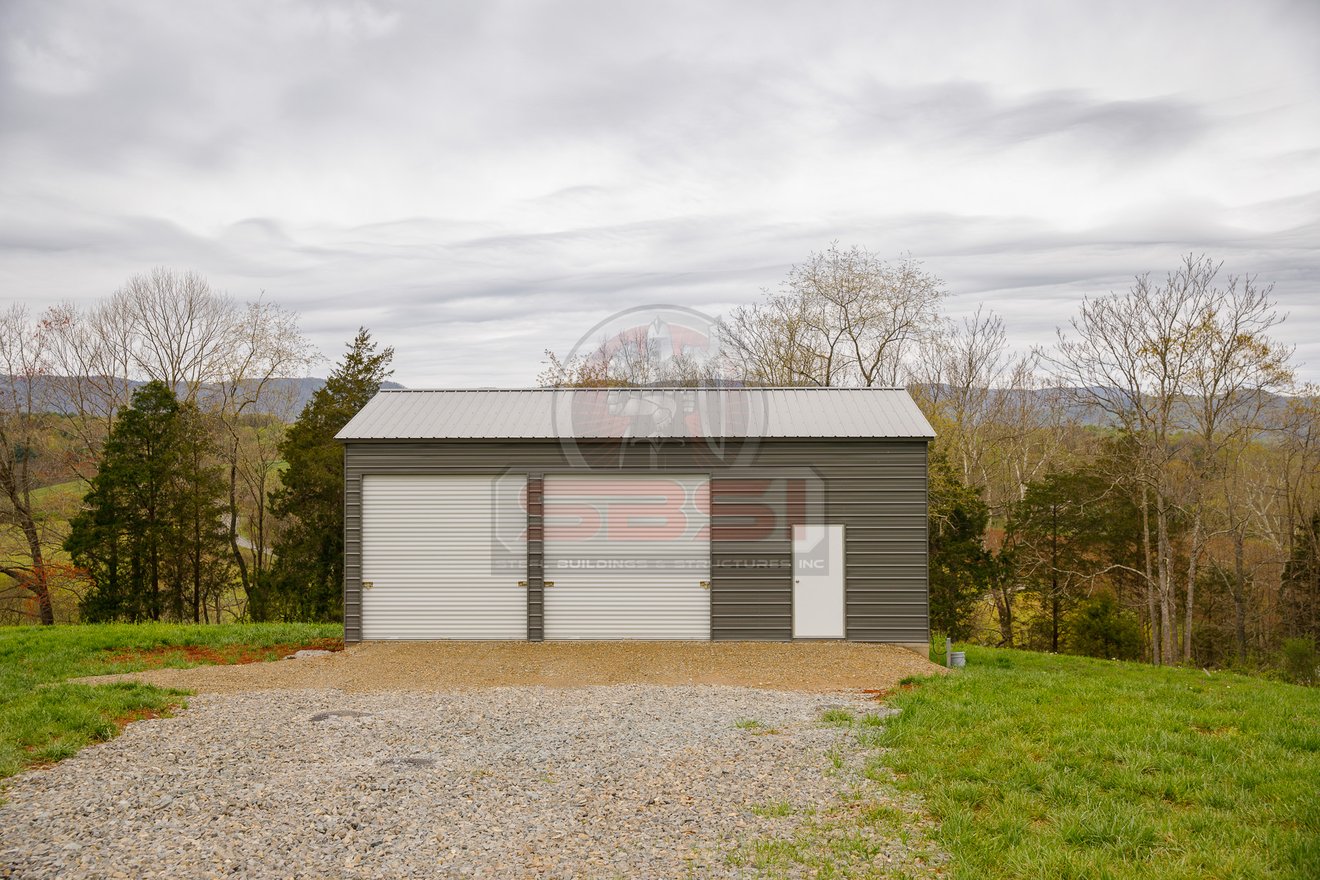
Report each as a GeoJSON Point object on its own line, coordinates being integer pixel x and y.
{"type": "Point", "coordinates": [1299, 661]}
{"type": "Point", "coordinates": [936, 653]}
{"type": "Point", "coordinates": [1103, 629]}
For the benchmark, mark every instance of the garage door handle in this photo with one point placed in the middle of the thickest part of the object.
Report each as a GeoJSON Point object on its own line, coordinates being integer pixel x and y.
{"type": "Point", "coordinates": [549, 583]}
{"type": "Point", "coordinates": [522, 583]}
{"type": "Point", "coordinates": [705, 585]}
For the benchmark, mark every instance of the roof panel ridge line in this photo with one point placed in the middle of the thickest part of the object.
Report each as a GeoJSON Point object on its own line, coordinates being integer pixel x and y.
{"type": "Point", "coordinates": [889, 414]}
{"type": "Point", "coordinates": [813, 388]}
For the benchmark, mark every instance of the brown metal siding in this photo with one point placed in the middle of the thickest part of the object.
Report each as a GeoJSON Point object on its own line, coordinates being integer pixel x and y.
{"type": "Point", "coordinates": [751, 590]}
{"type": "Point", "coordinates": [875, 488]}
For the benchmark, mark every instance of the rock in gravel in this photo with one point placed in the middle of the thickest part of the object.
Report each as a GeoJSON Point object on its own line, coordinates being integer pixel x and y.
{"type": "Point", "coordinates": [305, 653]}
{"type": "Point", "coordinates": [623, 781]}
{"type": "Point", "coordinates": [333, 714]}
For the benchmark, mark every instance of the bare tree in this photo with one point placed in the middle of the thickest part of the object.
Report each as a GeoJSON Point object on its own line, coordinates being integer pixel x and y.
{"type": "Point", "coordinates": [1000, 422]}
{"type": "Point", "coordinates": [887, 310]}
{"type": "Point", "coordinates": [210, 350]}
{"type": "Point", "coordinates": [1181, 366]}
{"type": "Point", "coordinates": [763, 343]}
{"type": "Point", "coordinates": [1279, 483]}
{"type": "Point", "coordinates": [23, 367]}
{"type": "Point", "coordinates": [1001, 427]}
{"type": "Point", "coordinates": [1241, 495]}
{"type": "Point", "coordinates": [843, 317]}
{"type": "Point", "coordinates": [628, 359]}
{"type": "Point", "coordinates": [1128, 359]}
{"type": "Point", "coordinates": [263, 344]}
{"type": "Point", "coordinates": [182, 329]}
{"type": "Point", "coordinates": [92, 366]}
{"type": "Point", "coordinates": [1235, 367]}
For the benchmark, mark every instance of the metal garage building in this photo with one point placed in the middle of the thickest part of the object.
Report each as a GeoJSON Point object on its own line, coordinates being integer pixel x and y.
{"type": "Point", "coordinates": [676, 513]}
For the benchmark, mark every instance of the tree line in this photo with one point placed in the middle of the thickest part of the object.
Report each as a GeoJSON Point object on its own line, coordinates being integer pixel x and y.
{"type": "Point", "coordinates": [1146, 487]}
{"type": "Point", "coordinates": [151, 464]}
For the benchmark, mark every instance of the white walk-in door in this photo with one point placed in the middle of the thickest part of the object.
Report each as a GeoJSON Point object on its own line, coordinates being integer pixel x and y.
{"type": "Point", "coordinates": [818, 605]}
{"type": "Point", "coordinates": [627, 557]}
{"type": "Point", "coordinates": [442, 557]}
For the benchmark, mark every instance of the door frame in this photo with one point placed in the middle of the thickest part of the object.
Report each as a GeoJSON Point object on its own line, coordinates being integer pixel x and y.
{"type": "Point", "coordinates": [548, 474]}
{"type": "Point", "coordinates": [361, 489]}
{"type": "Point", "coordinates": [843, 581]}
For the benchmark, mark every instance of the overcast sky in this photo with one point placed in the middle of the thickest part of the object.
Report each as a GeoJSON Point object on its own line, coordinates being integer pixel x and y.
{"type": "Point", "coordinates": [476, 182]}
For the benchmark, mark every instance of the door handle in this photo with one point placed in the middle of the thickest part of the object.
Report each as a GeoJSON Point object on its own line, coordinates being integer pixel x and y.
{"type": "Point", "coordinates": [522, 583]}
{"type": "Point", "coordinates": [548, 583]}
{"type": "Point", "coordinates": [705, 585]}
{"type": "Point", "coordinates": [367, 585]}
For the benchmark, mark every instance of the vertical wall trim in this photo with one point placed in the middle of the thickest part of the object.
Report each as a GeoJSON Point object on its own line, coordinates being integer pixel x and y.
{"type": "Point", "coordinates": [352, 536]}
{"type": "Point", "coordinates": [536, 557]}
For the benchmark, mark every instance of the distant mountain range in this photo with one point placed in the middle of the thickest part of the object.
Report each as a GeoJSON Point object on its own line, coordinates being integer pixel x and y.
{"type": "Point", "coordinates": [298, 390]}
{"type": "Point", "coordinates": [1082, 405]}
{"type": "Point", "coordinates": [303, 388]}
{"type": "Point", "coordinates": [295, 390]}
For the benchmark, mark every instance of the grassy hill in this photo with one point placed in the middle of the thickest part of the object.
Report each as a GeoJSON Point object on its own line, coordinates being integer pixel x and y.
{"type": "Point", "coordinates": [1045, 766]}
{"type": "Point", "coordinates": [45, 718]}
{"type": "Point", "coordinates": [55, 505]}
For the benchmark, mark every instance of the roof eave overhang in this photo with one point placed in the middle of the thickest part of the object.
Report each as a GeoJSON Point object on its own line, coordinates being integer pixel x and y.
{"type": "Point", "coordinates": [346, 440]}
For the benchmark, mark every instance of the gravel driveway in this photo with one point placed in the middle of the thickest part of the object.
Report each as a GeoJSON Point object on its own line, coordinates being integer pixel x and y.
{"type": "Point", "coordinates": [635, 781]}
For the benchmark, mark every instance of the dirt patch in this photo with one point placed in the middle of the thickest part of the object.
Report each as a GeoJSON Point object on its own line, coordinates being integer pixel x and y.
{"type": "Point", "coordinates": [880, 695]}
{"type": "Point", "coordinates": [143, 714]}
{"type": "Point", "coordinates": [445, 666]}
{"type": "Point", "coordinates": [164, 656]}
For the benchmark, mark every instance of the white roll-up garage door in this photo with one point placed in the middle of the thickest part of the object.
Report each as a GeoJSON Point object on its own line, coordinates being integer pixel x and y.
{"type": "Point", "coordinates": [443, 556]}
{"type": "Point", "coordinates": [629, 557]}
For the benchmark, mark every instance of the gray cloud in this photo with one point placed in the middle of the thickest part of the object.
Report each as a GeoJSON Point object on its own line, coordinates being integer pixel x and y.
{"type": "Point", "coordinates": [480, 181]}
{"type": "Point", "coordinates": [951, 114]}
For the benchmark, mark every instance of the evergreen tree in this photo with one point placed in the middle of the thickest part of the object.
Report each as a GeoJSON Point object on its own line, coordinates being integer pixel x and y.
{"type": "Point", "coordinates": [149, 534]}
{"type": "Point", "coordinates": [1057, 533]}
{"type": "Point", "coordinates": [960, 567]}
{"type": "Point", "coordinates": [203, 562]}
{"type": "Point", "coordinates": [1101, 628]}
{"type": "Point", "coordinates": [308, 572]}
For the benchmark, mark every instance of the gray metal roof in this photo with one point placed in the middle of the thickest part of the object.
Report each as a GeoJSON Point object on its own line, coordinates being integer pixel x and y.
{"type": "Point", "coordinates": [612, 413]}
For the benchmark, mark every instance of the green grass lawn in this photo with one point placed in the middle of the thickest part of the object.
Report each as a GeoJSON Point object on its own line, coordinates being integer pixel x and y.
{"type": "Point", "coordinates": [44, 718]}
{"type": "Point", "coordinates": [59, 496]}
{"type": "Point", "coordinates": [1043, 766]}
